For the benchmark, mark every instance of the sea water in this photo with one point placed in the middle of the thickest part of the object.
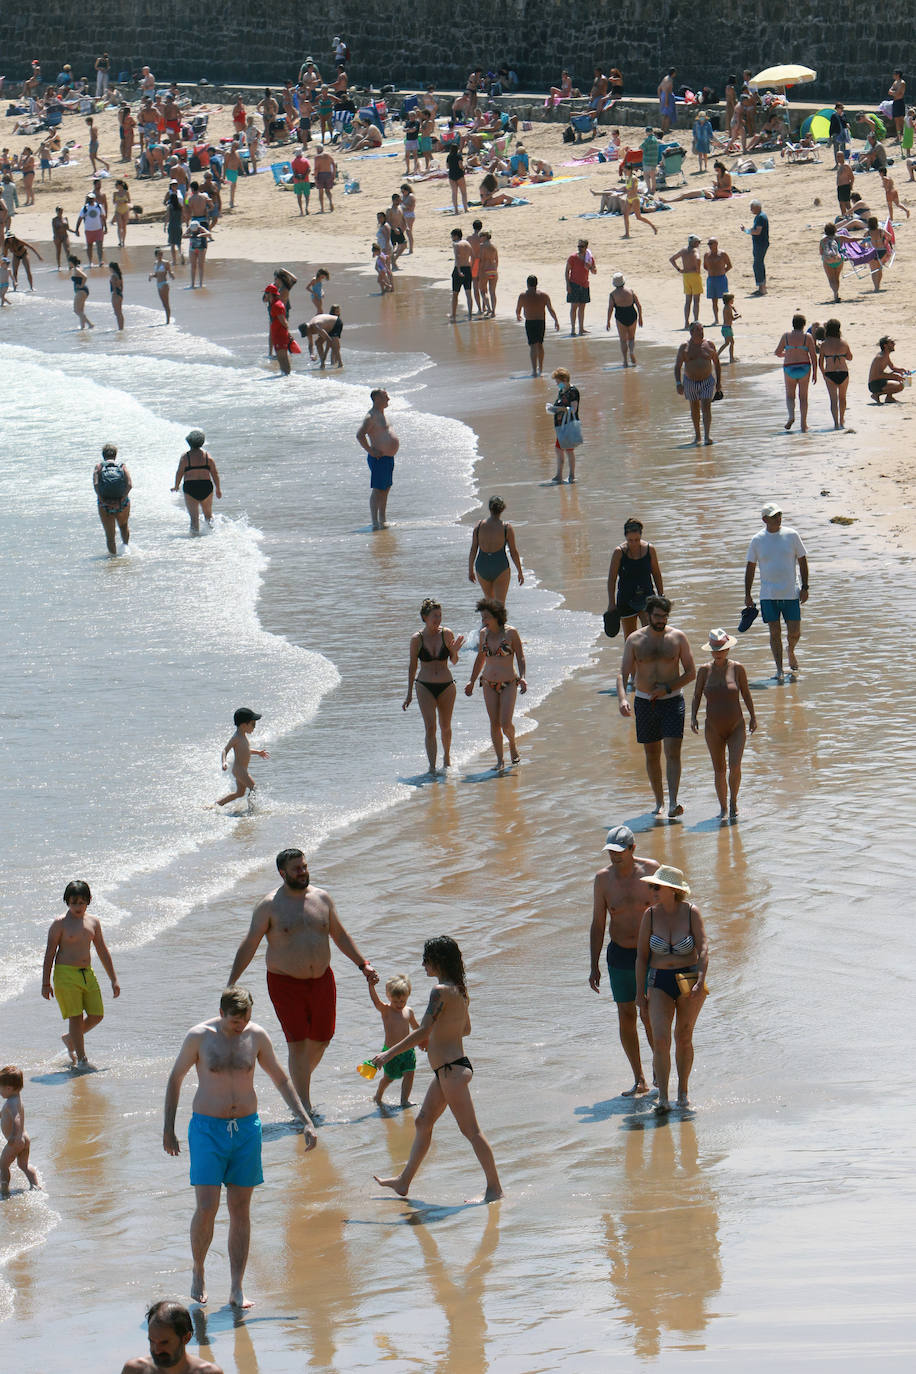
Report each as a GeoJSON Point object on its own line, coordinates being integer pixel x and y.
{"type": "Point", "coordinates": [122, 674]}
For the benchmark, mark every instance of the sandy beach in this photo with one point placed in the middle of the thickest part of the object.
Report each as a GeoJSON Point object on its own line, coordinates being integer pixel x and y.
{"type": "Point", "coordinates": [769, 1225]}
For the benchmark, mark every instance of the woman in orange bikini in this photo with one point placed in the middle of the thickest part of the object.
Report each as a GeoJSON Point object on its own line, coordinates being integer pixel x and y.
{"type": "Point", "coordinates": [431, 650]}
{"type": "Point", "coordinates": [499, 645]}
{"type": "Point", "coordinates": [724, 682]}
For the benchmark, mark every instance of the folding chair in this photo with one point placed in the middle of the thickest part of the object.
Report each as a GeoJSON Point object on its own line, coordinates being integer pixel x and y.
{"type": "Point", "coordinates": [282, 174]}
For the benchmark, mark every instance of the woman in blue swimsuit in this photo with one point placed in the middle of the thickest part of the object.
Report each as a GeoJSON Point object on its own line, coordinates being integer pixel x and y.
{"type": "Point", "coordinates": [488, 561]}
{"type": "Point", "coordinates": [799, 367]}
{"type": "Point", "coordinates": [431, 650]}
{"type": "Point", "coordinates": [671, 961]}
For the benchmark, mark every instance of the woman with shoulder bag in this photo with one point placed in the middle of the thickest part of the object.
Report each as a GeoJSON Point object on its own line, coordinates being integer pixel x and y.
{"type": "Point", "coordinates": [568, 431]}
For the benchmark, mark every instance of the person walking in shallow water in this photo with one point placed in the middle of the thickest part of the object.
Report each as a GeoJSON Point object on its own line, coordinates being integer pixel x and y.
{"type": "Point", "coordinates": [778, 550]}
{"type": "Point", "coordinates": [490, 566]}
{"type": "Point", "coordinates": [444, 1025]}
{"type": "Point", "coordinates": [499, 644]}
{"type": "Point", "coordinates": [724, 684]}
{"type": "Point", "coordinates": [429, 662]}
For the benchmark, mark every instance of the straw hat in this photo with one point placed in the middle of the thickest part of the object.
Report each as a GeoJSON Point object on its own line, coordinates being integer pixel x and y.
{"type": "Point", "coordinates": [668, 877]}
{"type": "Point", "coordinates": [721, 639]}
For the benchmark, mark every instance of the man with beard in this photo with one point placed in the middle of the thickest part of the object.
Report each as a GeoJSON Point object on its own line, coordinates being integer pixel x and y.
{"type": "Point", "coordinates": [299, 922]}
{"type": "Point", "coordinates": [169, 1329]}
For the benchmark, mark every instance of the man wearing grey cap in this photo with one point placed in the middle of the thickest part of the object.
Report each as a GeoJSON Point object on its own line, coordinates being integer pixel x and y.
{"type": "Point", "coordinates": [777, 549]}
{"type": "Point", "coordinates": [621, 896]}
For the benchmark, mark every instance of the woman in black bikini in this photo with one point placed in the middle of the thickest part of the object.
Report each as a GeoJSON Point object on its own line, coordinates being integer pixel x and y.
{"type": "Point", "coordinates": [200, 480]}
{"type": "Point", "coordinates": [445, 1024]}
{"type": "Point", "coordinates": [429, 669]}
{"type": "Point", "coordinates": [624, 305]}
{"type": "Point", "coordinates": [499, 645]}
{"type": "Point", "coordinates": [673, 953]}
{"type": "Point", "coordinates": [834, 356]}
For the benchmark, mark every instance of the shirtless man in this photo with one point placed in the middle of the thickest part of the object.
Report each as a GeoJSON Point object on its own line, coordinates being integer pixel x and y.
{"type": "Point", "coordinates": [234, 167]}
{"type": "Point", "coordinates": [659, 656]}
{"type": "Point", "coordinates": [687, 262]}
{"type": "Point", "coordinates": [169, 1329]}
{"type": "Point", "coordinates": [325, 172]}
{"type": "Point", "coordinates": [716, 265]}
{"type": "Point", "coordinates": [884, 379]}
{"type": "Point", "coordinates": [475, 240]}
{"type": "Point", "coordinates": [298, 922]}
{"type": "Point", "coordinates": [224, 1133]}
{"type": "Point", "coordinates": [699, 361]}
{"type": "Point", "coordinates": [535, 304]}
{"type": "Point", "coordinates": [897, 94]}
{"type": "Point", "coordinates": [381, 445]}
{"type": "Point", "coordinates": [489, 274]}
{"type": "Point", "coordinates": [398, 226]}
{"type": "Point", "coordinates": [323, 334]}
{"type": "Point", "coordinates": [461, 273]}
{"type": "Point", "coordinates": [621, 896]}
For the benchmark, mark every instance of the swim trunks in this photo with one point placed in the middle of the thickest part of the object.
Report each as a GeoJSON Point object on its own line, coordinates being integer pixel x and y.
{"type": "Point", "coordinates": [232, 175]}
{"type": "Point", "coordinates": [621, 967]}
{"type": "Point", "coordinates": [877, 386]}
{"type": "Point", "coordinates": [716, 287]}
{"type": "Point", "coordinates": [659, 719]}
{"type": "Point", "coordinates": [577, 295]}
{"type": "Point", "coordinates": [693, 284]}
{"type": "Point", "coordinates": [381, 472]}
{"type": "Point", "coordinates": [77, 990]}
{"type": "Point", "coordinates": [534, 329]}
{"type": "Point", "coordinates": [771, 610]}
{"type": "Point", "coordinates": [703, 390]}
{"type": "Point", "coordinates": [400, 1064]}
{"type": "Point", "coordinates": [306, 1007]}
{"type": "Point", "coordinates": [667, 105]}
{"type": "Point", "coordinates": [727, 332]}
{"type": "Point", "coordinates": [95, 235]}
{"type": "Point", "coordinates": [461, 279]}
{"type": "Point", "coordinates": [302, 188]}
{"type": "Point", "coordinates": [225, 1150]}
{"type": "Point", "coordinates": [325, 180]}
{"type": "Point", "coordinates": [898, 109]}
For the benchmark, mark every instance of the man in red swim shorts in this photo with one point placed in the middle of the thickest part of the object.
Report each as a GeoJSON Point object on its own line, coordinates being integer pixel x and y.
{"type": "Point", "coordinates": [299, 922]}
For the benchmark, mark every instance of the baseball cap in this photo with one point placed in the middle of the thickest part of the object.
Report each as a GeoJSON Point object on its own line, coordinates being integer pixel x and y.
{"type": "Point", "coordinates": [770, 510]}
{"type": "Point", "coordinates": [243, 715]}
{"type": "Point", "coordinates": [620, 838]}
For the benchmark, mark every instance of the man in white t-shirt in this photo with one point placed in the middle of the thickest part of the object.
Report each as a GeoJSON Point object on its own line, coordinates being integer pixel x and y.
{"type": "Point", "coordinates": [777, 550]}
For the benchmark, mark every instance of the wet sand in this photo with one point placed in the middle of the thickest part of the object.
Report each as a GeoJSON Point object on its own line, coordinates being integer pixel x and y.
{"type": "Point", "coordinates": [766, 1225]}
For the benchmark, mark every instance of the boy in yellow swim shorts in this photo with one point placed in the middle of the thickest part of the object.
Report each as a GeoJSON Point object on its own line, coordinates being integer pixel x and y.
{"type": "Point", "coordinates": [69, 952]}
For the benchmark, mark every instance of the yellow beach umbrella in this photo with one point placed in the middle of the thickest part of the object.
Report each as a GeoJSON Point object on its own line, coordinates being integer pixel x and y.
{"type": "Point", "coordinates": [788, 75]}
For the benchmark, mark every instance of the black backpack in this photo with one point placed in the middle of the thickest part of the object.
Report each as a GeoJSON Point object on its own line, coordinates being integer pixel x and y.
{"type": "Point", "coordinates": [569, 134]}
{"type": "Point", "coordinates": [112, 485]}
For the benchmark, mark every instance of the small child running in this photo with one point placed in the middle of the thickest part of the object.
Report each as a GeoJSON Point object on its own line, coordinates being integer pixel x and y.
{"type": "Point", "coordinates": [398, 1021]}
{"type": "Point", "coordinates": [729, 315]}
{"type": "Point", "coordinates": [12, 1126]}
{"type": "Point", "coordinates": [891, 194]}
{"type": "Point", "coordinates": [245, 720]}
{"type": "Point", "coordinates": [76, 987]}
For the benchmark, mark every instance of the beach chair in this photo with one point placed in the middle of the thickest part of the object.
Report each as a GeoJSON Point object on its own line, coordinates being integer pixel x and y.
{"type": "Point", "coordinates": [282, 174]}
{"type": "Point", "coordinates": [582, 124]}
{"type": "Point", "coordinates": [861, 256]}
{"type": "Point", "coordinates": [797, 152]}
{"type": "Point", "coordinates": [631, 161]}
{"type": "Point", "coordinates": [671, 165]}
{"type": "Point", "coordinates": [341, 122]}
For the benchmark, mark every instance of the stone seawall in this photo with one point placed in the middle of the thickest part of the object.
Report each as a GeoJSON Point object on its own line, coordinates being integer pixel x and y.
{"type": "Point", "coordinates": [431, 40]}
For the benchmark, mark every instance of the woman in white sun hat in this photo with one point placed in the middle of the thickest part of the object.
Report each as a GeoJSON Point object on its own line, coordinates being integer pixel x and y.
{"type": "Point", "coordinates": [671, 960]}
{"type": "Point", "coordinates": [723, 682]}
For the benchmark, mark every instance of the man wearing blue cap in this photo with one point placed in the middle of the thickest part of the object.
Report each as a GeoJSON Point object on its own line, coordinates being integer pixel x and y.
{"type": "Point", "coordinates": [621, 897]}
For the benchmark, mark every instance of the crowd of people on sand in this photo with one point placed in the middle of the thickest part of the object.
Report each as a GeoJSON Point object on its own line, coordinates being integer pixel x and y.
{"type": "Point", "coordinates": [658, 952]}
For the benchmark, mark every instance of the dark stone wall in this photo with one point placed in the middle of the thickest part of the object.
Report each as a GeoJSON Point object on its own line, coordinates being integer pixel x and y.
{"type": "Point", "coordinates": [853, 48]}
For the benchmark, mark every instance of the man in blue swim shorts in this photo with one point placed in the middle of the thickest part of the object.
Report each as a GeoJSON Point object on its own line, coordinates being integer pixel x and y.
{"type": "Point", "coordinates": [778, 548]}
{"type": "Point", "coordinates": [381, 445]}
{"type": "Point", "coordinates": [224, 1134]}
{"type": "Point", "coordinates": [659, 657]}
{"type": "Point", "coordinates": [621, 897]}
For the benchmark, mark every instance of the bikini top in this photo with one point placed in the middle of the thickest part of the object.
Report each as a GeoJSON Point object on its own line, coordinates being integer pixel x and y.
{"type": "Point", "coordinates": [503, 650]}
{"type": "Point", "coordinates": [425, 656]}
{"type": "Point", "coordinates": [659, 945]}
{"type": "Point", "coordinates": [199, 466]}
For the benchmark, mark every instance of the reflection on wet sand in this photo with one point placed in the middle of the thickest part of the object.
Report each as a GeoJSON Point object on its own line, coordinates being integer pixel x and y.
{"type": "Point", "coordinates": [246, 1361]}
{"type": "Point", "coordinates": [82, 1146]}
{"type": "Point", "coordinates": [458, 1288]}
{"type": "Point", "coordinates": [663, 1246]}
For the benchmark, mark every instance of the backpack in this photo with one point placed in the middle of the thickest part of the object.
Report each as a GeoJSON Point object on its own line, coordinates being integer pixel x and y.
{"type": "Point", "coordinates": [568, 134]}
{"type": "Point", "coordinates": [112, 484]}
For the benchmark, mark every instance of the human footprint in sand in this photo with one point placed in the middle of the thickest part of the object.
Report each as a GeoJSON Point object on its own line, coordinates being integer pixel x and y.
{"type": "Point", "coordinates": [445, 1024]}
{"type": "Point", "coordinates": [69, 952]}
{"type": "Point", "coordinates": [224, 1134]}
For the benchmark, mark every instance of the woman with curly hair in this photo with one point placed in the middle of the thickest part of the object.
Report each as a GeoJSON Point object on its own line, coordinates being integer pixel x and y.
{"type": "Point", "coordinates": [431, 651]}
{"type": "Point", "coordinates": [498, 646]}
